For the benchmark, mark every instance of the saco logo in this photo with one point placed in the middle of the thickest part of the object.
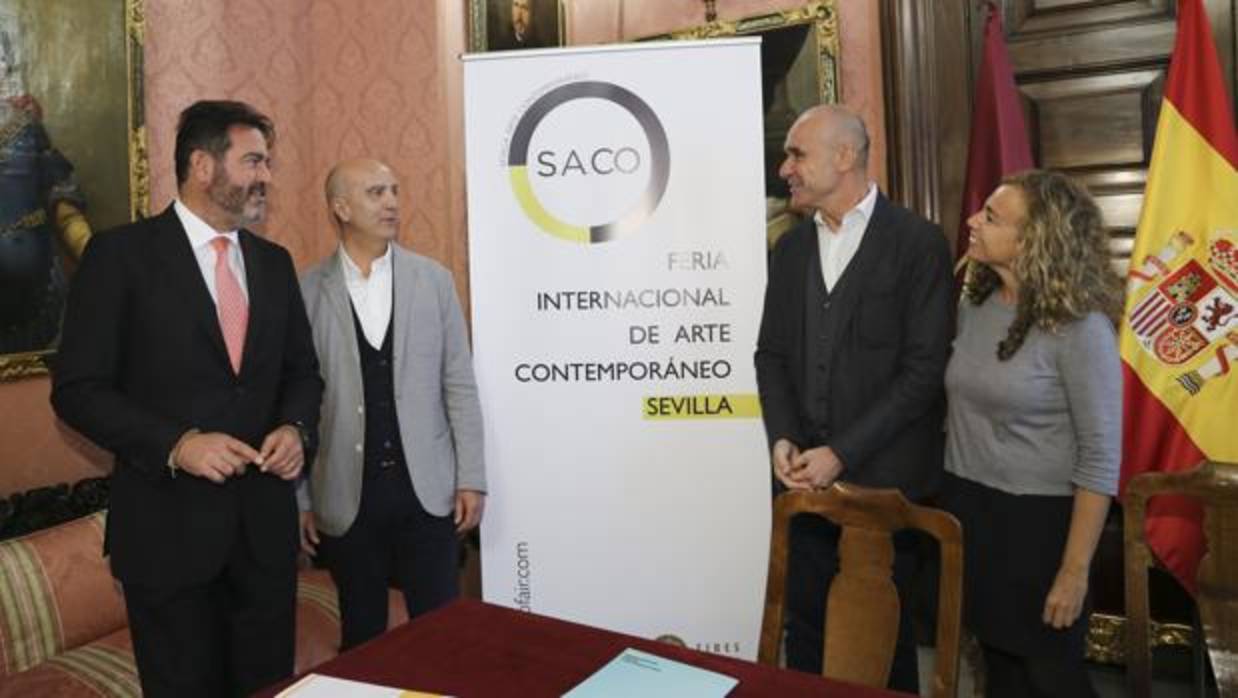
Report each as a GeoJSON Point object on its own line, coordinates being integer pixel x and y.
{"type": "Point", "coordinates": [588, 161]}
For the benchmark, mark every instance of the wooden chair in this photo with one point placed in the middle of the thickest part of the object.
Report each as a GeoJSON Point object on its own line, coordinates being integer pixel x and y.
{"type": "Point", "coordinates": [1215, 485]}
{"type": "Point", "coordinates": [863, 606]}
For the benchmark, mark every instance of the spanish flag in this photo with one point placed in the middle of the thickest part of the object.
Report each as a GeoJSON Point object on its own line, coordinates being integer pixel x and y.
{"type": "Point", "coordinates": [1179, 335]}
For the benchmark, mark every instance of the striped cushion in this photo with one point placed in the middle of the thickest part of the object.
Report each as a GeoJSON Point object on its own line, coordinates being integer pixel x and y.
{"type": "Point", "coordinates": [316, 592]}
{"type": "Point", "coordinates": [102, 668]}
{"type": "Point", "coordinates": [56, 593]}
{"type": "Point", "coordinates": [318, 618]}
{"type": "Point", "coordinates": [62, 617]}
{"type": "Point", "coordinates": [106, 667]}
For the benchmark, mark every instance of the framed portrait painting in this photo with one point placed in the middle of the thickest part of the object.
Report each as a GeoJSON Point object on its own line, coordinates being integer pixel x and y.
{"type": "Point", "coordinates": [72, 156]}
{"type": "Point", "coordinates": [505, 25]}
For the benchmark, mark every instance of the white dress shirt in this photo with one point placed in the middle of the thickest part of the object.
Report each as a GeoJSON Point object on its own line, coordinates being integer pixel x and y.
{"type": "Point", "coordinates": [200, 234]}
{"type": "Point", "coordinates": [837, 247]}
{"type": "Point", "coordinates": [371, 295]}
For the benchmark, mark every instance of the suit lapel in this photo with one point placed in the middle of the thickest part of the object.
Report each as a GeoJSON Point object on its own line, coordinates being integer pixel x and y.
{"type": "Point", "coordinates": [403, 281]}
{"type": "Point", "coordinates": [340, 307]}
{"type": "Point", "coordinates": [180, 268]}
{"type": "Point", "coordinates": [872, 246]}
{"type": "Point", "coordinates": [260, 298]}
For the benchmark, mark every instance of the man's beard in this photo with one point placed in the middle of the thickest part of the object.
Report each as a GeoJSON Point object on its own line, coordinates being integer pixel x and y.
{"type": "Point", "coordinates": [235, 199]}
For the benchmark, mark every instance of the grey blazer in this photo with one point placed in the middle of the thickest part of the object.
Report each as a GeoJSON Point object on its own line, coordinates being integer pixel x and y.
{"type": "Point", "coordinates": [435, 392]}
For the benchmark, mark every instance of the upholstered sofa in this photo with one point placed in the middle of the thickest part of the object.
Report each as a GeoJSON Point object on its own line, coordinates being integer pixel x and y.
{"type": "Point", "coordinates": [62, 617]}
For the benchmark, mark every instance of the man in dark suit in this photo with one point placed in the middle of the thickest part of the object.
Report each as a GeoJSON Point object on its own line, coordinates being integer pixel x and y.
{"type": "Point", "coordinates": [187, 353]}
{"type": "Point", "coordinates": [850, 360]}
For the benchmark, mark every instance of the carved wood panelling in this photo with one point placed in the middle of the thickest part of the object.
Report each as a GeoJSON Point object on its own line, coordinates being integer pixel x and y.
{"type": "Point", "coordinates": [1092, 74]}
{"type": "Point", "coordinates": [1026, 16]}
{"type": "Point", "coordinates": [1095, 48]}
{"type": "Point", "coordinates": [1100, 120]}
{"type": "Point", "coordinates": [1121, 209]}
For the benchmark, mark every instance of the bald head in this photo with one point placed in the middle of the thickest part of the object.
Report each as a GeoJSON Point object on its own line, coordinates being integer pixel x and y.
{"type": "Point", "coordinates": [838, 126]}
{"type": "Point", "coordinates": [347, 173]}
{"type": "Point", "coordinates": [826, 167]}
{"type": "Point", "coordinates": [363, 198]}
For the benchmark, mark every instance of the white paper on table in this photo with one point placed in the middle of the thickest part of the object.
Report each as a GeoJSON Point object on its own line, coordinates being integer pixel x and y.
{"type": "Point", "coordinates": [319, 686]}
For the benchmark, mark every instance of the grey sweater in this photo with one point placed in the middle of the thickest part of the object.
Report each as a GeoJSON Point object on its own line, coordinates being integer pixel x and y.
{"type": "Point", "coordinates": [1045, 421]}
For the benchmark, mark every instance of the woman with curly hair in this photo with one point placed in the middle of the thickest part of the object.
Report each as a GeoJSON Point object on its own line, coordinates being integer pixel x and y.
{"type": "Point", "coordinates": [1034, 427]}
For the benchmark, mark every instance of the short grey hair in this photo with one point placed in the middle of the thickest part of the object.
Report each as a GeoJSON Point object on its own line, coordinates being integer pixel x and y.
{"type": "Point", "coordinates": [847, 128]}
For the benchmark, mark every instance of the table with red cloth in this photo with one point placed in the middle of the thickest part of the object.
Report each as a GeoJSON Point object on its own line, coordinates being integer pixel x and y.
{"type": "Point", "coordinates": [469, 648]}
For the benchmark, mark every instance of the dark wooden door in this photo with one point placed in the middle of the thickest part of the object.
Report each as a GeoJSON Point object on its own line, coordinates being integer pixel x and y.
{"type": "Point", "coordinates": [1091, 73]}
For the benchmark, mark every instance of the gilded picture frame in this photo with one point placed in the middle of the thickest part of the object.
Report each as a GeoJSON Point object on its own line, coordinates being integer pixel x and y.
{"type": "Point", "coordinates": [72, 156]}
{"type": "Point", "coordinates": [799, 68]}
{"type": "Point", "coordinates": [509, 25]}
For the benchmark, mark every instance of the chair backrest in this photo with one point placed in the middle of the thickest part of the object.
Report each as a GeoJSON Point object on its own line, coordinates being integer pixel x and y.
{"type": "Point", "coordinates": [862, 611]}
{"type": "Point", "coordinates": [1215, 486]}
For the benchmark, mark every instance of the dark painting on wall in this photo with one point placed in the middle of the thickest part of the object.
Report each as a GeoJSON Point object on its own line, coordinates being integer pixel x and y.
{"type": "Point", "coordinates": [72, 156]}
{"type": "Point", "coordinates": [503, 25]}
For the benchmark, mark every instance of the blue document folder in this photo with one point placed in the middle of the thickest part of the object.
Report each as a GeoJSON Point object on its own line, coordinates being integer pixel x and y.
{"type": "Point", "coordinates": [636, 673]}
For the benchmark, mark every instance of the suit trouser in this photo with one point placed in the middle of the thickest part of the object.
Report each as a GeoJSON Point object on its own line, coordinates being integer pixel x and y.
{"type": "Point", "coordinates": [1012, 676]}
{"type": "Point", "coordinates": [812, 562]}
{"type": "Point", "coordinates": [230, 636]}
{"type": "Point", "coordinates": [393, 539]}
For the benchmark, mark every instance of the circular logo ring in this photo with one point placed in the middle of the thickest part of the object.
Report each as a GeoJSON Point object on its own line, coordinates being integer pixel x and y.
{"type": "Point", "coordinates": [518, 155]}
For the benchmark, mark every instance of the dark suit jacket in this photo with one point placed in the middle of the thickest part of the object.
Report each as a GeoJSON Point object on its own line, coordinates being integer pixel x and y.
{"type": "Point", "coordinates": [887, 361]}
{"type": "Point", "coordinates": [142, 359]}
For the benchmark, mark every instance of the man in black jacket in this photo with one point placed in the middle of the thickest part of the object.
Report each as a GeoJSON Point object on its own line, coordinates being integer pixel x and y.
{"type": "Point", "coordinates": [850, 359]}
{"type": "Point", "coordinates": [187, 353]}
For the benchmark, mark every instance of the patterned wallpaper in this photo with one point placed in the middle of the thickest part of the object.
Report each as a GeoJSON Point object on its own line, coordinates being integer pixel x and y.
{"type": "Point", "coordinates": [340, 78]}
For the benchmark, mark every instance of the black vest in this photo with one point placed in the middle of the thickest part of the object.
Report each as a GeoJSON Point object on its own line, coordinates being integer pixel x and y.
{"type": "Point", "coordinates": [819, 335]}
{"type": "Point", "coordinates": [382, 429]}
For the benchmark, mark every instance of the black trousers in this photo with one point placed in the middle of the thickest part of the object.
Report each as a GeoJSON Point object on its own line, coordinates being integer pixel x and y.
{"type": "Point", "coordinates": [392, 539]}
{"type": "Point", "coordinates": [230, 636]}
{"type": "Point", "coordinates": [811, 566]}
{"type": "Point", "coordinates": [1011, 676]}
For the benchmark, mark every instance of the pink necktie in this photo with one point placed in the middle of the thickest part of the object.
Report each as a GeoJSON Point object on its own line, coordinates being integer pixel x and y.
{"type": "Point", "coordinates": [230, 303]}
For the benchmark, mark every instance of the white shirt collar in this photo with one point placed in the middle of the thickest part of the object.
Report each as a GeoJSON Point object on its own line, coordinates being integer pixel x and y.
{"type": "Point", "coordinates": [352, 273]}
{"type": "Point", "coordinates": [199, 231]}
{"type": "Point", "coordinates": [370, 295]}
{"type": "Point", "coordinates": [864, 210]}
{"type": "Point", "coordinates": [837, 247]}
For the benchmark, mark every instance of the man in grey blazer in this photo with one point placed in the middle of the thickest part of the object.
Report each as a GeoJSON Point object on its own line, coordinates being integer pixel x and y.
{"type": "Point", "coordinates": [400, 467]}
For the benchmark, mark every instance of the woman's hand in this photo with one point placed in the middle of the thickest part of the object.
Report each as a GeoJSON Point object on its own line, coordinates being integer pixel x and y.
{"type": "Point", "coordinates": [1065, 600]}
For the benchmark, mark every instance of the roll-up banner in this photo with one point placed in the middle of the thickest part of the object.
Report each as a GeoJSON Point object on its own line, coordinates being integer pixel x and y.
{"type": "Point", "coordinates": [617, 266]}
